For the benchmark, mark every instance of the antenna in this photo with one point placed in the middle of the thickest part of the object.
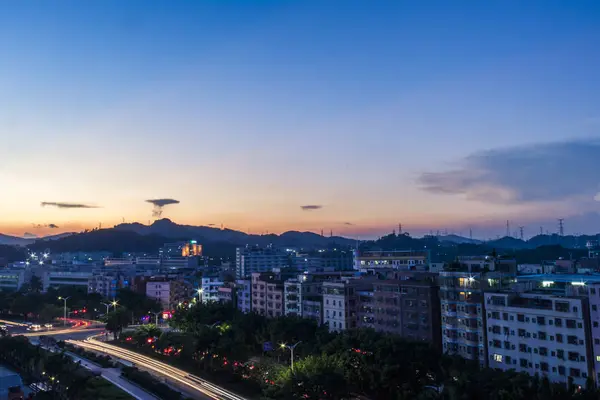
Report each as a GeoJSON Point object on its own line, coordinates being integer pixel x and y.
{"type": "Point", "coordinates": [521, 231]}
{"type": "Point", "coordinates": [399, 229]}
{"type": "Point", "coordinates": [99, 225]}
{"type": "Point", "coordinates": [123, 219]}
{"type": "Point", "coordinates": [321, 232]}
{"type": "Point", "coordinates": [561, 227]}
{"type": "Point", "coordinates": [507, 228]}
{"type": "Point", "coordinates": [470, 233]}
{"type": "Point", "coordinates": [331, 233]}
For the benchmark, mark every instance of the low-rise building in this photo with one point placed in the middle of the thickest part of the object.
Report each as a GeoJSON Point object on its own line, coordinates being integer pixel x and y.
{"type": "Point", "coordinates": [405, 259]}
{"type": "Point", "coordinates": [540, 334]}
{"type": "Point", "coordinates": [340, 302]}
{"type": "Point", "coordinates": [210, 288]}
{"type": "Point", "coordinates": [105, 285]}
{"type": "Point", "coordinates": [168, 292]}
{"type": "Point", "coordinates": [57, 279]}
{"type": "Point", "coordinates": [12, 279]}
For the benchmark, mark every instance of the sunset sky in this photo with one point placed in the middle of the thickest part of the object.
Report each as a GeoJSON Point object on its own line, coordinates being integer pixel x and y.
{"type": "Point", "coordinates": [380, 112]}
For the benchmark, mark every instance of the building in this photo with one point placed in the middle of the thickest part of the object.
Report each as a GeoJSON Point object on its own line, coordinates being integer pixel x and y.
{"type": "Point", "coordinates": [340, 302]}
{"type": "Point", "coordinates": [57, 279]}
{"type": "Point", "coordinates": [409, 308]}
{"type": "Point", "coordinates": [110, 261]}
{"type": "Point", "coordinates": [181, 249]}
{"type": "Point", "coordinates": [11, 384]}
{"type": "Point", "coordinates": [226, 295]}
{"type": "Point", "coordinates": [168, 292]}
{"type": "Point", "coordinates": [325, 260]}
{"type": "Point", "coordinates": [176, 263]}
{"type": "Point", "coordinates": [210, 289]}
{"type": "Point", "coordinates": [463, 309]}
{"type": "Point", "coordinates": [249, 260]}
{"type": "Point", "coordinates": [406, 260]}
{"type": "Point", "coordinates": [540, 334]}
{"type": "Point", "coordinates": [105, 285]}
{"type": "Point", "coordinates": [267, 294]}
{"type": "Point", "coordinates": [244, 295]}
{"type": "Point", "coordinates": [594, 312]}
{"type": "Point", "coordinates": [12, 279]}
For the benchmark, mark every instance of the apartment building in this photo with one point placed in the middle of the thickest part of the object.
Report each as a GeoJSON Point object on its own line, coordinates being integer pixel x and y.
{"type": "Point", "coordinates": [249, 260]}
{"type": "Point", "coordinates": [267, 294]}
{"type": "Point", "coordinates": [226, 294]}
{"type": "Point", "coordinates": [406, 259]}
{"type": "Point", "coordinates": [325, 260]}
{"type": "Point", "coordinates": [539, 333]}
{"type": "Point", "coordinates": [168, 292]}
{"type": "Point", "coordinates": [244, 295]}
{"type": "Point", "coordinates": [409, 308]}
{"type": "Point", "coordinates": [210, 288]}
{"type": "Point", "coordinates": [340, 302]}
{"type": "Point", "coordinates": [105, 285]}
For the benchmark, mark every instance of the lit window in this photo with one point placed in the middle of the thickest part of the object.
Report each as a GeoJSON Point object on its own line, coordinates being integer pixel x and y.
{"type": "Point", "coordinates": [597, 358]}
{"type": "Point", "coordinates": [498, 358]}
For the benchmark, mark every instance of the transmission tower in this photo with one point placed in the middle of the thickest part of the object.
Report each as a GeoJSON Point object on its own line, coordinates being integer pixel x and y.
{"type": "Point", "coordinates": [521, 231]}
{"type": "Point", "coordinates": [507, 228]}
{"type": "Point", "coordinates": [561, 227]}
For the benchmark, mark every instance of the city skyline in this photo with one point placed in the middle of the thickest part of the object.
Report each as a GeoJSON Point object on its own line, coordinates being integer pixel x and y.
{"type": "Point", "coordinates": [280, 116]}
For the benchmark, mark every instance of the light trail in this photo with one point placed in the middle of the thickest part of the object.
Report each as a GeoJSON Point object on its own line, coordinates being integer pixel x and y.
{"type": "Point", "coordinates": [206, 388]}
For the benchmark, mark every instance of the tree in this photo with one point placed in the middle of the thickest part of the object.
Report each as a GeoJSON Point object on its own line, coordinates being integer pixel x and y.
{"type": "Point", "coordinates": [116, 320]}
{"type": "Point", "coordinates": [145, 332]}
{"type": "Point", "coordinates": [50, 312]}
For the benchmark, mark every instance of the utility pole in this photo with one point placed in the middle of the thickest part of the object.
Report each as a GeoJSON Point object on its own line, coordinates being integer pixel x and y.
{"type": "Point", "coordinates": [65, 309]}
{"type": "Point", "coordinates": [399, 229]}
{"type": "Point", "coordinates": [470, 233]}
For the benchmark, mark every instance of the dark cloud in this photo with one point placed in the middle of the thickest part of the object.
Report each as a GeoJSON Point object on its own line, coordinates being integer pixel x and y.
{"type": "Point", "coordinates": [311, 207]}
{"type": "Point", "coordinates": [29, 235]}
{"type": "Point", "coordinates": [52, 226]}
{"type": "Point", "coordinates": [348, 223]}
{"type": "Point", "coordinates": [536, 173]}
{"type": "Point", "coordinates": [66, 205]}
{"type": "Point", "coordinates": [211, 224]}
{"type": "Point", "coordinates": [159, 204]}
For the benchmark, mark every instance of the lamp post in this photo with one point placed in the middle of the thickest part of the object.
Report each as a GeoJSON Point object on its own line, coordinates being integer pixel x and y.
{"type": "Point", "coordinates": [64, 309]}
{"type": "Point", "coordinates": [156, 314]}
{"type": "Point", "coordinates": [291, 347]}
{"type": "Point", "coordinates": [200, 291]}
{"type": "Point", "coordinates": [107, 306]}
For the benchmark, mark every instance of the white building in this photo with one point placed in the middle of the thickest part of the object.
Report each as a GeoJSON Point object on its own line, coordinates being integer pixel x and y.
{"type": "Point", "coordinates": [403, 260]}
{"type": "Point", "coordinates": [298, 291]}
{"type": "Point", "coordinates": [594, 302]}
{"type": "Point", "coordinates": [12, 279]}
{"type": "Point", "coordinates": [57, 279]}
{"type": "Point", "coordinates": [106, 285]}
{"type": "Point", "coordinates": [255, 259]}
{"type": "Point", "coordinates": [539, 334]}
{"type": "Point", "coordinates": [210, 289]}
{"type": "Point", "coordinates": [244, 295]}
{"type": "Point", "coordinates": [340, 303]}
{"type": "Point", "coordinates": [168, 292]}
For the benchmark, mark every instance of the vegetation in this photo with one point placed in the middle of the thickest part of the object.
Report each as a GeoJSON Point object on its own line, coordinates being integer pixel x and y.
{"type": "Point", "coordinates": [151, 384]}
{"type": "Point", "coordinates": [227, 347]}
{"type": "Point", "coordinates": [103, 361]}
{"type": "Point", "coordinates": [65, 378]}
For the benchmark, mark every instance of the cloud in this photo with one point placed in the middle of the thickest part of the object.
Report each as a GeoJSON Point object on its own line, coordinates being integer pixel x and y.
{"type": "Point", "coordinates": [51, 226]}
{"type": "Point", "coordinates": [527, 174]}
{"type": "Point", "coordinates": [66, 205]}
{"type": "Point", "coordinates": [211, 224]}
{"type": "Point", "coordinates": [159, 204]}
{"type": "Point", "coordinates": [311, 207]}
{"type": "Point", "coordinates": [29, 235]}
{"type": "Point", "coordinates": [348, 223]}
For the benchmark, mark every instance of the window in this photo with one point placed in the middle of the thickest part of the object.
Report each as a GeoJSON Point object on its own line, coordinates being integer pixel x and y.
{"type": "Point", "coordinates": [498, 358]}
{"type": "Point", "coordinates": [595, 324]}
{"type": "Point", "coordinates": [571, 323]}
{"type": "Point", "coordinates": [560, 354]}
{"type": "Point", "coordinates": [543, 351]}
{"type": "Point", "coordinates": [561, 370]}
{"type": "Point", "coordinates": [574, 372]}
{"type": "Point", "coordinates": [523, 362]}
{"type": "Point", "coordinates": [541, 321]}
{"type": "Point", "coordinates": [544, 367]}
{"type": "Point", "coordinates": [574, 309]}
{"type": "Point", "coordinates": [597, 358]}
{"type": "Point", "coordinates": [593, 291]}
{"type": "Point", "coordinates": [522, 332]}
{"type": "Point", "coordinates": [571, 339]}
{"type": "Point", "coordinates": [557, 322]}
{"type": "Point", "coordinates": [542, 336]}
{"type": "Point", "coordinates": [559, 337]}
{"type": "Point", "coordinates": [505, 316]}
{"type": "Point", "coordinates": [520, 317]}
{"type": "Point", "coordinates": [597, 341]}
{"type": "Point", "coordinates": [523, 348]}
{"type": "Point", "coordinates": [573, 356]}
{"type": "Point", "coordinates": [595, 307]}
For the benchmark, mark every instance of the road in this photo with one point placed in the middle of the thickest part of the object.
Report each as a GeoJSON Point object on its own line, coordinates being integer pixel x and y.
{"type": "Point", "coordinates": [201, 387]}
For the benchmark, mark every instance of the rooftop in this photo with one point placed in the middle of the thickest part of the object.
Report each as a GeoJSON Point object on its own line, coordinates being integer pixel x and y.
{"type": "Point", "coordinates": [562, 278]}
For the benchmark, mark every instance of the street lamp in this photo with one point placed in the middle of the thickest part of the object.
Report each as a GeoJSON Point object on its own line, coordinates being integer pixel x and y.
{"type": "Point", "coordinates": [200, 291]}
{"type": "Point", "coordinates": [107, 306]}
{"type": "Point", "coordinates": [65, 309]}
{"type": "Point", "coordinates": [156, 314]}
{"type": "Point", "coordinates": [291, 347]}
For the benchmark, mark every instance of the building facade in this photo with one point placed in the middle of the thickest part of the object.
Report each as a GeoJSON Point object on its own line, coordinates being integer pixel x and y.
{"type": "Point", "coordinates": [406, 260]}
{"type": "Point", "coordinates": [244, 295]}
{"type": "Point", "coordinates": [168, 292]}
{"type": "Point", "coordinates": [210, 288]}
{"type": "Point", "coordinates": [540, 334]}
{"type": "Point", "coordinates": [267, 294]}
{"type": "Point", "coordinates": [249, 260]}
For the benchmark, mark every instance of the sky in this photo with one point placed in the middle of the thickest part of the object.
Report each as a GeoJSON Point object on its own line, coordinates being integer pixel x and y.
{"type": "Point", "coordinates": [434, 114]}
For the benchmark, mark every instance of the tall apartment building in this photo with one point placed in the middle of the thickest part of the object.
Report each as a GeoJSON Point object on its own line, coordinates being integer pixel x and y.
{"type": "Point", "coordinates": [409, 308]}
{"type": "Point", "coordinates": [540, 334]}
{"type": "Point", "coordinates": [267, 294]}
{"type": "Point", "coordinates": [249, 260]}
{"type": "Point", "coordinates": [405, 260]}
{"type": "Point", "coordinates": [244, 295]}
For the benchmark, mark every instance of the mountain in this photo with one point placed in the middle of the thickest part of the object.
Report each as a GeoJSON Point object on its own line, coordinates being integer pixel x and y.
{"type": "Point", "coordinates": [457, 239]}
{"type": "Point", "coordinates": [206, 234]}
{"type": "Point", "coordinates": [14, 240]}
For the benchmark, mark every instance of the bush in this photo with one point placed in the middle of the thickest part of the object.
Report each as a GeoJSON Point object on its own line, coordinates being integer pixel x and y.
{"type": "Point", "coordinates": [150, 383]}
{"type": "Point", "coordinates": [103, 361]}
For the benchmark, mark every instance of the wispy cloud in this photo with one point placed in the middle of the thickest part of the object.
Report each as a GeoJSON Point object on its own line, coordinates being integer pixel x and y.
{"type": "Point", "coordinates": [66, 205]}
{"type": "Point", "coordinates": [51, 226]}
{"type": "Point", "coordinates": [537, 173]}
{"type": "Point", "coordinates": [311, 207]}
{"type": "Point", "coordinates": [348, 223]}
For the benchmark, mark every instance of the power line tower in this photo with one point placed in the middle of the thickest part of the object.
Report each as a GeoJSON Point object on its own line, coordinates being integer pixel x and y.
{"type": "Point", "coordinates": [521, 231]}
{"type": "Point", "coordinates": [399, 229]}
{"type": "Point", "coordinates": [507, 228]}
{"type": "Point", "coordinates": [470, 233]}
{"type": "Point", "coordinates": [561, 227]}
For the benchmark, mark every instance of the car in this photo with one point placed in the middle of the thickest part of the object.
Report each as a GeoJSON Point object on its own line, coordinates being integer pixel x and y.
{"type": "Point", "coordinates": [48, 326]}
{"type": "Point", "coordinates": [35, 327]}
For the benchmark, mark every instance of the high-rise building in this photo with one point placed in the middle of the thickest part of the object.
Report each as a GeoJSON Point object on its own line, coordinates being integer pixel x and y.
{"type": "Point", "coordinates": [249, 260]}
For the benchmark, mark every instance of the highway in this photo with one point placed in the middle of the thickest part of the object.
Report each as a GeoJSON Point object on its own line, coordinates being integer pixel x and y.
{"type": "Point", "coordinates": [203, 388]}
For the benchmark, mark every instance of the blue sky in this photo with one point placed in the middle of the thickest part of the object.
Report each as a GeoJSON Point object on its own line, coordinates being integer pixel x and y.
{"type": "Point", "coordinates": [244, 111]}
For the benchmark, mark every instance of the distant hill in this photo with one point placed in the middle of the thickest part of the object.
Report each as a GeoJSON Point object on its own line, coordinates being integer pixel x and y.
{"type": "Point", "coordinates": [19, 241]}
{"type": "Point", "coordinates": [206, 234]}
{"type": "Point", "coordinates": [458, 239]}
